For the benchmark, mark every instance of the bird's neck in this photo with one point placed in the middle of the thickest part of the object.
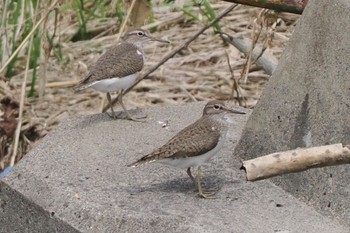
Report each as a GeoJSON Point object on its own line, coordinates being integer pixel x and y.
{"type": "Point", "coordinates": [222, 119]}
{"type": "Point", "coordinates": [219, 120]}
{"type": "Point", "coordinates": [138, 44]}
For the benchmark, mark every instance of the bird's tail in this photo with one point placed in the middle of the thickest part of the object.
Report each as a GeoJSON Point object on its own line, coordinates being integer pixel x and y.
{"type": "Point", "coordinates": [143, 160]}
{"type": "Point", "coordinates": [83, 84]}
{"type": "Point", "coordinates": [80, 86]}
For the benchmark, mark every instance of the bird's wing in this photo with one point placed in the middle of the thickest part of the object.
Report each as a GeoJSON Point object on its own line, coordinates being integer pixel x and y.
{"type": "Point", "coordinates": [197, 144]}
{"type": "Point", "coordinates": [203, 140]}
{"type": "Point", "coordinates": [120, 61]}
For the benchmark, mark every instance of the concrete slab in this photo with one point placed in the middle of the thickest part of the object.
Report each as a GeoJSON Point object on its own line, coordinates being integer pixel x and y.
{"type": "Point", "coordinates": [76, 180]}
{"type": "Point", "coordinates": [307, 103]}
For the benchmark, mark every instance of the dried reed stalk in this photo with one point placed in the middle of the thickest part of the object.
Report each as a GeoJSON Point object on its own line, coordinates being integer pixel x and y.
{"type": "Point", "coordinates": [30, 34]}
{"type": "Point", "coordinates": [23, 90]}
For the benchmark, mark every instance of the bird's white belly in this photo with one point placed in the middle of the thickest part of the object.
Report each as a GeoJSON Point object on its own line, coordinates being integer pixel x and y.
{"type": "Point", "coordinates": [193, 161]}
{"type": "Point", "coordinates": [114, 84]}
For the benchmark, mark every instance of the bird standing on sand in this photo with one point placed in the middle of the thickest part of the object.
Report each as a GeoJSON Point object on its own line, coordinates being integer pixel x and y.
{"type": "Point", "coordinates": [195, 144]}
{"type": "Point", "coordinates": [119, 67]}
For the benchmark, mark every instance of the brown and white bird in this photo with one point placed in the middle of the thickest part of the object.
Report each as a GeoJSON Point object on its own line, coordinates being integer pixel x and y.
{"type": "Point", "coordinates": [119, 67]}
{"type": "Point", "coordinates": [195, 144]}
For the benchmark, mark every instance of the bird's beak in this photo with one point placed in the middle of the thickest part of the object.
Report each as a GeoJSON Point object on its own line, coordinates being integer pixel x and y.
{"type": "Point", "coordinates": [156, 39]}
{"type": "Point", "coordinates": [231, 110]}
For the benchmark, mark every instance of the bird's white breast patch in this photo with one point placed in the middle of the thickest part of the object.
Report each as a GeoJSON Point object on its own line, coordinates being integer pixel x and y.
{"type": "Point", "coordinates": [138, 52]}
{"type": "Point", "coordinates": [114, 84]}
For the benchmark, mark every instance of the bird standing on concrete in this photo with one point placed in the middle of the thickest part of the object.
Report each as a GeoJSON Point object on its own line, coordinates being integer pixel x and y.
{"type": "Point", "coordinates": [119, 67]}
{"type": "Point", "coordinates": [195, 144]}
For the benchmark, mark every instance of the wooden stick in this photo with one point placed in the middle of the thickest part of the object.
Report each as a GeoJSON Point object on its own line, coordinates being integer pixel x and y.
{"type": "Point", "coordinates": [295, 161]}
{"type": "Point", "coordinates": [21, 106]}
{"type": "Point", "coordinates": [292, 6]}
{"type": "Point", "coordinates": [46, 48]}
{"type": "Point", "coordinates": [235, 85]}
{"type": "Point", "coordinates": [122, 28]}
{"type": "Point", "coordinates": [172, 53]}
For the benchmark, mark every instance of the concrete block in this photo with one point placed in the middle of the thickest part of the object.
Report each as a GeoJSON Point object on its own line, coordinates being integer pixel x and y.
{"type": "Point", "coordinates": [307, 103]}
{"type": "Point", "coordinates": [76, 180]}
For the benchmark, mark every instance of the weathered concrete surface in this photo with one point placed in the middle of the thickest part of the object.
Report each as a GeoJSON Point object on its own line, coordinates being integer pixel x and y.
{"type": "Point", "coordinates": [76, 180]}
{"type": "Point", "coordinates": [307, 103]}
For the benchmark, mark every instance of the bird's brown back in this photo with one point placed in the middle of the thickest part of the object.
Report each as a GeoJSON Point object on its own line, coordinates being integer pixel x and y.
{"type": "Point", "coordinates": [120, 61]}
{"type": "Point", "coordinates": [196, 139]}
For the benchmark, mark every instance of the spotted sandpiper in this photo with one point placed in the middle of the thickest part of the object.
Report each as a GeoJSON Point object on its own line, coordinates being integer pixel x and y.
{"type": "Point", "coordinates": [119, 67]}
{"type": "Point", "coordinates": [195, 144]}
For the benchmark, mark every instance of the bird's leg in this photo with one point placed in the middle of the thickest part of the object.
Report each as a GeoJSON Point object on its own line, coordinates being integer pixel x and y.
{"type": "Point", "coordinates": [110, 105]}
{"type": "Point", "coordinates": [191, 176]}
{"type": "Point", "coordinates": [120, 100]}
{"type": "Point", "coordinates": [202, 193]}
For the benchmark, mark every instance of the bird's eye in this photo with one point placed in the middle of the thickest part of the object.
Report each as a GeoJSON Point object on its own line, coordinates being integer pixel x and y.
{"type": "Point", "coordinates": [216, 106]}
{"type": "Point", "coordinates": [140, 34]}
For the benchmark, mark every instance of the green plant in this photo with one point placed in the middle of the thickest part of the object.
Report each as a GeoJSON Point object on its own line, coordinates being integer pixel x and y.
{"type": "Point", "coordinates": [17, 20]}
{"type": "Point", "coordinates": [119, 11]}
{"type": "Point", "coordinates": [87, 10]}
{"type": "Point", "coordinates": [205, 10]}
{"type": "Point", "coordinates": [208, 12]}
{"type": "Point", "coordinates": [33, 63]}
{"type": "Point", "coordinates": [21, 18]}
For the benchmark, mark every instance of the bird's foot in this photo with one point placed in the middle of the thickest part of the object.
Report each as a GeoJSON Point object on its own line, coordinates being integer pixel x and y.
{"type": "Point", "coordinates": [206, 194]}
{"type": "Point", "coordinates": [138, 117]}
{"type": "Point", "coordinates": [113, 115]}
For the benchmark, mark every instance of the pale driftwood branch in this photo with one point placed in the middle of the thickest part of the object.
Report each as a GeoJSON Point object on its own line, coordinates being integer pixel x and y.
{"type": "Point", "coordinates": [263, 59]}
{"type": "Point", "coordinates": [173, 53]}
{"type": "Point", "coordinates": [295, 161]}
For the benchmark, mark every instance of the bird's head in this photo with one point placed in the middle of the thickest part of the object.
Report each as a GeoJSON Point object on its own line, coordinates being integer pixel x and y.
{"type": "Point", "coordinates": [139, 36]}
{"type": "Point", "coordinates": [216, 107]}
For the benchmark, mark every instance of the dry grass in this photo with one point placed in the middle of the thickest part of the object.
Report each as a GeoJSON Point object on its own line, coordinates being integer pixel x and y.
{"type": "Point", "coordinates": [199, 72]}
